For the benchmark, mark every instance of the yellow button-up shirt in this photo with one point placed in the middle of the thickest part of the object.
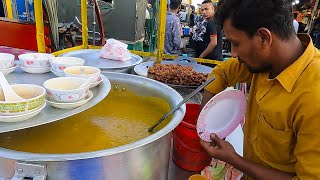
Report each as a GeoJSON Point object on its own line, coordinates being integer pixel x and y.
{"type": "Point", "coordinates": [282, 128]}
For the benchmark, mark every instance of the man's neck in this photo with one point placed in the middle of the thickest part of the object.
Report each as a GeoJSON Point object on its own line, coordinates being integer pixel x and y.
{"type": "Point", "coordinates": [209, 18]}
{"type": "Point", "coordinates": [286, 53]}
{"type": "Point", "coordinates": [175, 11]}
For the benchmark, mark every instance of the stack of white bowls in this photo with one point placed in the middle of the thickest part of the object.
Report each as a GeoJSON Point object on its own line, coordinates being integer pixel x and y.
{"type": "Point", "coordinates": [31, 105]}
{"type": "Point", "coordinates": [67, 93]}
{"type": "Point", "coordinates": [35, 62]}
{"type": "Point", "coordinates": [58, 64]}
{"type": "Point", "coordinates": [7, 65]}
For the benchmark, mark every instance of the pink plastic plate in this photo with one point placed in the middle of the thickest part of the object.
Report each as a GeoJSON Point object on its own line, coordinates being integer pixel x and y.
{"type": "Point", "coordinates": [222, 114]}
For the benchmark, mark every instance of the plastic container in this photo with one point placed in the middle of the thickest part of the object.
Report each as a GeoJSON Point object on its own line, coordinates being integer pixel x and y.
{"type": "Point", "coordinates": [187, 151]}
{"type": "Point", "coordinates": [186, 30]}
{"type": "Point", "coordinates": [197, 177]}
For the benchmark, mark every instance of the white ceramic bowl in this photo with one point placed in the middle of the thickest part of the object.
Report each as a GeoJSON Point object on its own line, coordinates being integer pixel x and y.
{"type": "Point", "coordinates": [83, 72]}
{"type": "Point", "coordinates": [66, 89]}
{"type": "Point", "coordinates": [35, 70]}
{"type": "Point", "coordinates": [72, 105]}
{"type": "Point", "coordinates": [8, 70]}
{"type": "Point", "coordinates": [35, 60]}
{"type": "Point", "coordinates": [59, 74]}
{"type": "Point", "coordinates": [58, 64]}
{"type": "Point", "coordinates": [34, 98]}
{"type": "Point", "coordinates": [92, 85]}
{"type": "Point", "coordinates": [22, 117]}
{"type": "Point", "coordinates": [6, 60]}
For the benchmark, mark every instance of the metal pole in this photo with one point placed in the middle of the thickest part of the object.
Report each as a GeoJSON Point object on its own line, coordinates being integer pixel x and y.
{"type": "Point", "coordinates": [84, 19]}
{"type": "Point", "coordinates": [9, 9]}
{"type": "Point", "coordinates": [39, 25]}
{"type": "Point", "coordinates": [94, 23]}
{"type": "Point", "coordinates": [162, 29]}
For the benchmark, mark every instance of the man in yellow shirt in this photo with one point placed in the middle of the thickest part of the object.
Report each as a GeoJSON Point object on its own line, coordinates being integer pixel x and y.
{"type": "Point", "coordinates": [282, 128]}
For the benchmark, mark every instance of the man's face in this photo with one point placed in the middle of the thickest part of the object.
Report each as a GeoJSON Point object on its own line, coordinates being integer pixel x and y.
{"type": "Point", "coordinates": [207, 10]}
{"type": "Point", "coordinates": [248, 50]}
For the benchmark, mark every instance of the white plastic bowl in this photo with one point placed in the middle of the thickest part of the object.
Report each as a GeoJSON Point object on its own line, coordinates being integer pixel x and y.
{"type": "Point", "coordinates": [66, 89]}
{"type": "Point", "coordinates": [35, 60]}
{"type": "Point", "coordinates": [58, 64]}
{"type": "Point", "coordinates": [6, 60]}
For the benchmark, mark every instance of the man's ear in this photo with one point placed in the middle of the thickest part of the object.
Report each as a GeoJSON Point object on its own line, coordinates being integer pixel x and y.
{"type": "Point", "coordinates": [265, 36]}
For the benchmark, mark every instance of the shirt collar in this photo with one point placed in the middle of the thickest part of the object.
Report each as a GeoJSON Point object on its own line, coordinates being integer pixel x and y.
{"type": "Point", "coordinates": [290, 75]}
{"type": "Point", "coordinates": [171, 13]}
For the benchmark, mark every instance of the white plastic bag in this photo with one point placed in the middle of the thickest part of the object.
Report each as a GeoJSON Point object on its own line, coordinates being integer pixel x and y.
{"type": "Point", "coordinates": [115, 50]}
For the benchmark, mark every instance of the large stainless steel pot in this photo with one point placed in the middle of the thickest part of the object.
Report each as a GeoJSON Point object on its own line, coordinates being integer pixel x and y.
{"type": "Point", "coordinates": [145, 159]}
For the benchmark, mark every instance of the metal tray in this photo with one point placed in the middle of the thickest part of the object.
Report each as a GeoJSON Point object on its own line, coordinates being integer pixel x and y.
{"type": "Point", "coordinates": [50, 114]}
{"type": "Point", "coordinates": [142, 69]}
{"type": "Point", "coordinates": [91, 57]}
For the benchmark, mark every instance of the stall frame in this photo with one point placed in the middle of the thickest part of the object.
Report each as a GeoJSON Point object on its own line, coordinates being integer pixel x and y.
{"type": "Point", "coordinates": [159, 54]}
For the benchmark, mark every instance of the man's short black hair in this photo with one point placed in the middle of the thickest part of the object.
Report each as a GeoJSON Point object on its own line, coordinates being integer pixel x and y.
{"type": "Point", "coordinates": [251, 15]}
{"type": "Point", "coordinates": [295, 15]}
{"type": "Point", "coordinates": [175, 4]}
{"type": "Point", "coordinates": [207, 1]}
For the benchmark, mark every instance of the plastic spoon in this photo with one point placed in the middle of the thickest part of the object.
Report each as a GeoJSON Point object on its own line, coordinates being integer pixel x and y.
{"type": "Point", "coordinates": [88, 81]}
{"type": "Point", "coordinates": [9, 94]}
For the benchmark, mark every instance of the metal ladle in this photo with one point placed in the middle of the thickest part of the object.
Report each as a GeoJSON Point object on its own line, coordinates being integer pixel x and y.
{"type": "Point", "coordinates": [9, 94]}
{"type": "Point", "coordinates": [174, 109]}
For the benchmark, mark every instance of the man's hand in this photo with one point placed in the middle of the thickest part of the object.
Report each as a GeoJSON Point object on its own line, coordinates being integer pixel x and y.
{"type": "Point", "coordinates": [219, 149]}
{"type": "Point", "coordinates": [223, 150]}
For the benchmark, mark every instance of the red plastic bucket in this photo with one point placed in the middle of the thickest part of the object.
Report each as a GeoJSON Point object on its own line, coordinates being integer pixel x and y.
{"type": "Point", "coordinates": [187, 151]}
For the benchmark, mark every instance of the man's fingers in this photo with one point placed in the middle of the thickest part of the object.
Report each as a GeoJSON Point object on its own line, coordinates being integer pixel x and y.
{"type": "Point", "coordinates": [216, 141]}
{"type": "Point", "coordinates": [205, 145]}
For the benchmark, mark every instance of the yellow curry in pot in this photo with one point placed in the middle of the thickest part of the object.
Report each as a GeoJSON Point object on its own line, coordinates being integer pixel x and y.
{"type": "Point", "coordinates": [120, 119]}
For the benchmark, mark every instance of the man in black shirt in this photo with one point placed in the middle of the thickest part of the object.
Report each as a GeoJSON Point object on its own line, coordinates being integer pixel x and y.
{"type": "Point", "coordinates": [208, 35]}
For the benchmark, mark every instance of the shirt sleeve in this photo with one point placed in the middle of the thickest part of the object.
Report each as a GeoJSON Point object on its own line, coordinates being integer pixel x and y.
{"type": "Point", "coordinates": [177, 35]}
{"type": "Point", "coordinates": [212, 28]}
{"type": "Point", "coordinates": [227, 74]}
{"type": "Point", "coordinates": [307, 131]}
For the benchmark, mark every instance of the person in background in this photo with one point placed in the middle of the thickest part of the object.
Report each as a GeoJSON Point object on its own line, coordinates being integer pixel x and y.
{"type": "Point", "coordinates": [295, 22]}
{"type": "Point", "coordinates": [207, 36]}
{"type": "Point", "coordinates": [173, 41]}
{"type": "Point", "coordinates": [182, 16]}
{"type": "Point", "coordinates": [281, 130]}
{"type": "Point", "coordinates": [192, 17]}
